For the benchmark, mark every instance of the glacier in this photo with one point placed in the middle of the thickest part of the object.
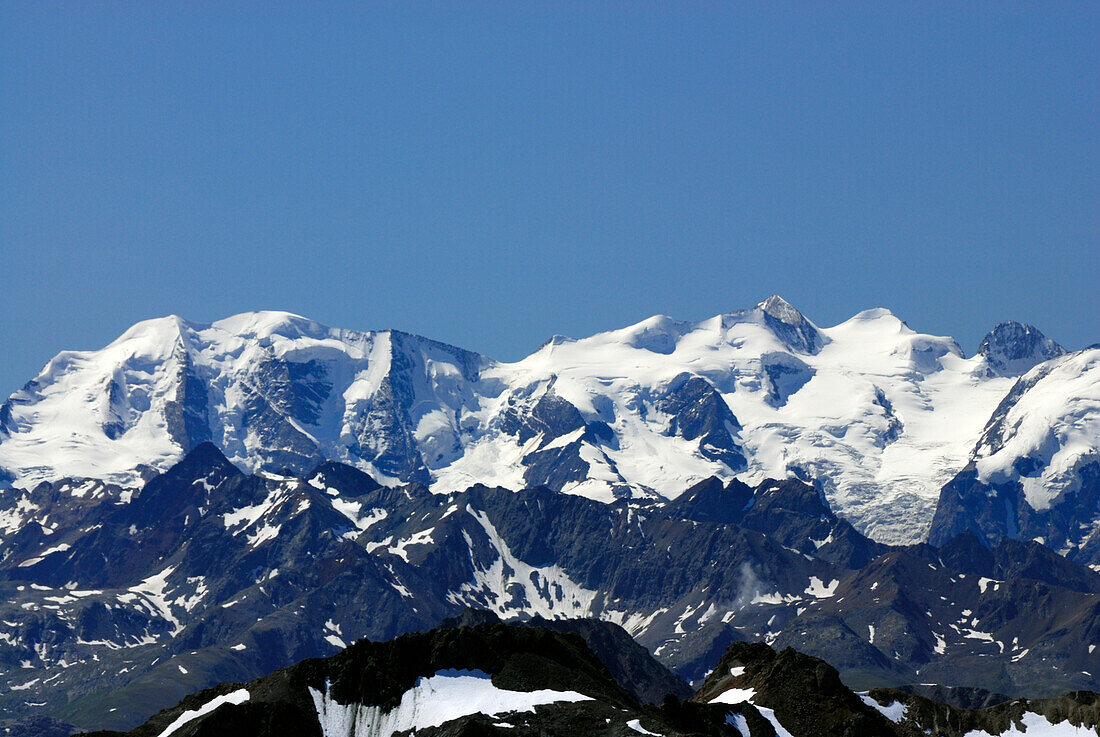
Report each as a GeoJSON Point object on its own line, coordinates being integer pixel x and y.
{"type": "Point", "coordinates": [876, 414]}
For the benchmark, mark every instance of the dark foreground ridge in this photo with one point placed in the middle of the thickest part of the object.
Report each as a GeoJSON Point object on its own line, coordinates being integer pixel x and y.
{"type": "Point", "coordinates": [526, 680]}
{"type": "Point", "coordinates": [112, 609]}
{"type": "Point", "coordinates": [379, 682]}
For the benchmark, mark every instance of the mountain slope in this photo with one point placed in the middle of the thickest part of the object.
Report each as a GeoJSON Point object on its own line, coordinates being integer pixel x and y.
{"type": "Point", "coordinates": [1035, 471]}
{"type": "Point", "coordinates": [111, 609]}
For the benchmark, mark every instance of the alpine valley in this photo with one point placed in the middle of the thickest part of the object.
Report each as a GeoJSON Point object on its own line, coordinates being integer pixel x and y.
{"type": "Point", "coordinates": [701, 510]}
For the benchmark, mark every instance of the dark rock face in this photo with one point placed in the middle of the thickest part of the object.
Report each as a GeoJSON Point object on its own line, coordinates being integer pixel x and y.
{"type": "Point", "coordinates": [712, 501]}
{"type": "Point", "coordinates": [699, 413]}
{"type": "Point", "coordinates": [6, 421]}
{"type": "Point", "coordinates": [968, 505]}
{"type": "Point", "coordinates": [847, 548]}
{"type": "Point", "coordinates": [630, 664]}
{"type": "Point", "coordinates": [383, 434]}
{"type": "Point", "coordinates": [1000, 511]}
{"type": "Point", "coordinates": [786, 375]}
{"type": "Point", "coordinates": [960, 697]}
{"type": "Point", "coordinates": [187, 414]}
{"type": "Point", "coordinates": [556, 467]}
{"type": "Point", "coordinates": [551, 416]}
{"type": "Point", "coordinates": [790, 325]}
{"type": "Point", "coordinates": [350, 481]}
{"type": "Point", "coordinates": [278, 395]}
{"type": "Point", "coordinates": [894, 425]}
{"type": "Point", "coordinates": [1013, 349]}
{"type": "Point", "coordinates": [806, 693]}
{"type": "Point", "coordinates": [791, 512]}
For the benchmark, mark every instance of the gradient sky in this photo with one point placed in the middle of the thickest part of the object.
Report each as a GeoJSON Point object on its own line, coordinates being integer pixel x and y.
{"type": "Point", "coordinates": [491, 174]}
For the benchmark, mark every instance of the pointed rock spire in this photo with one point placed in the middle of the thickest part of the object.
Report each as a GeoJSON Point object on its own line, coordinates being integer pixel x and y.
{"type": "Point", "coordinates": [201, 462]}
{"type": "Point", "coordinates": [1013, 348]}
{"type": "Point", "coordinates": [790, 325]}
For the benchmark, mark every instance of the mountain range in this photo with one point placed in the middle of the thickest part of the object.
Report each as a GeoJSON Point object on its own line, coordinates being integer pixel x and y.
{"type": "Point", "coordinates": [119, 602]}
{"type": "Point", "coordinates": [203, 504]}
{"type": "Point", "coordinates": [880, 418]}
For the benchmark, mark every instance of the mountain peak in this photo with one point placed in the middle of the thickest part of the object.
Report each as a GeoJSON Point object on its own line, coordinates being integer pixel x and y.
{"type": "Point", "coordinates": [158, 330]}
{"type": "Point", "coordinates": [790, 325]}
{"type": "Point", "coordinates": [1013, 348]}
{"type": "Point", "coordinates": [203, 460]}
{"type": "Point", "coordinates": [265, 323]}
{"type": "Point", "coordinates": [781, 310]}
{"type": "Point", "coordinates": [876, 313]}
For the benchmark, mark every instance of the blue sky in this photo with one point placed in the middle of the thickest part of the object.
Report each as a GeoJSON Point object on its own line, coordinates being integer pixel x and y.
{"type": "Point", "coordinates": [491, 174]}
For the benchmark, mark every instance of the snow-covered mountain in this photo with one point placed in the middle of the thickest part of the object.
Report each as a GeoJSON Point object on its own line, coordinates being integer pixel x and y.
{"type": "Point", "coordinates": [1035, 470]}
{"type": "Point", "coordinates": [879, 416]}
{"type": "Point", "coordinates": [271, 389]}
{"type": "Point", "coordinates": [1012, 349]}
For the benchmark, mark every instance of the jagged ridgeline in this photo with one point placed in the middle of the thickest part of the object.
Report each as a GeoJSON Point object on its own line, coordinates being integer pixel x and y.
{"type": "Point", "coordinates": [497, 679]}
{"type": "Point", "coordinates": [878, 416]}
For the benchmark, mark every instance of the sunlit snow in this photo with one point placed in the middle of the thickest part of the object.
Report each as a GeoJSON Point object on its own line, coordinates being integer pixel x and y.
{"type": "Point", "coordinates": [433, 701]}
{"type": "Point", "coordinates": [236, 697]}
{"type": "Point", "coordinates": [881, 415]}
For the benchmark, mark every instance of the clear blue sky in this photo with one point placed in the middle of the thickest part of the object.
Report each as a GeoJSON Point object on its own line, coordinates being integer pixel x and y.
{"type": "Point", "coordinates": [492, 174]}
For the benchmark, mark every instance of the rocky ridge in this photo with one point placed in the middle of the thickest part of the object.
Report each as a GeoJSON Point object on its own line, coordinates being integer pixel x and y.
{"type": "Point", "coordinates": [208, 574]}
